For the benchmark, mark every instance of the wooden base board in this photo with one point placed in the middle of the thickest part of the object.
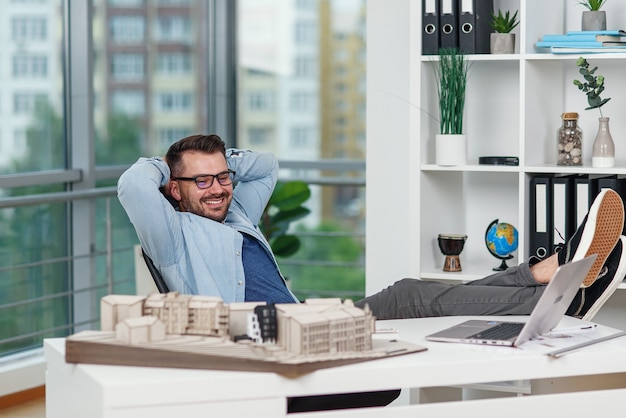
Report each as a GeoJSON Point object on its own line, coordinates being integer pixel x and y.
{"type": "Point", "coordinates": [194, 352]}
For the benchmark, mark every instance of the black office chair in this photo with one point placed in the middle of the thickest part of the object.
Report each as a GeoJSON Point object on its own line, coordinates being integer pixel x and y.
{"type": "Point", "coordinates": [156, 276]}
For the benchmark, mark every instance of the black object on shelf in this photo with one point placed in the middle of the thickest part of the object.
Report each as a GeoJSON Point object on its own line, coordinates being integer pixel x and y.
{"type": "Point", "coordinates": [498, 160]}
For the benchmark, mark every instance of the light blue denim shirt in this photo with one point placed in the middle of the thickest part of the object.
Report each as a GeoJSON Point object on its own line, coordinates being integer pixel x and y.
{"type": "Point", "coordinates": [197, 255]}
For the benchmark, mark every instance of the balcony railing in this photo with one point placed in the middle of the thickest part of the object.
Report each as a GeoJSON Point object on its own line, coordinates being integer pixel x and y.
{"type": "Point", "coordinates": [76, 300]}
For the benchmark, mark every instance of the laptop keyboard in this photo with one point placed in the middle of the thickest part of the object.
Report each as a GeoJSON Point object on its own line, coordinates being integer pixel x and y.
{"type": "Point", "coordinates": [503, 331]}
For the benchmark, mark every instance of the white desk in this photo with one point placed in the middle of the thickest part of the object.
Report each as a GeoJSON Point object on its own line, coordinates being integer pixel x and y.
{"type": "Point", "coordinates": [123, 392]}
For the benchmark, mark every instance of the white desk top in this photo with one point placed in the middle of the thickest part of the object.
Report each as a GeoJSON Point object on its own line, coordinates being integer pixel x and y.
{"type": "Point", "coordinates": [444, 364]}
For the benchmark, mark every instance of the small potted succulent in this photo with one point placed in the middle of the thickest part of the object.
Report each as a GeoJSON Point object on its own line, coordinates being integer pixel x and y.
{"type": "Point", "coordinates": [502, 40]}
{"type": "Point", "coordinates": [593, 86]}
{"type": "Point", "coordinates": [593, 18]}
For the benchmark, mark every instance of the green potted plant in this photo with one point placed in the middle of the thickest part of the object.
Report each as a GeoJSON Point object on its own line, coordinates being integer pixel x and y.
{"type": "Point", "coordinates": [285, 206]}
{"type": "Point", "coordinates": [593, 18]}
{"type": "Point", "coordinates": [451, 72]}
{"type": "Point", "coordinates": [603, 154]}
{"type": "Point", "coordinates": [502, 40]}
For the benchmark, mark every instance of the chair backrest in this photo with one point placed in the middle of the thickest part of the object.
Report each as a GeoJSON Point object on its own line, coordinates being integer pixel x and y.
{"type": "Point", "coordinates": [156, 276]}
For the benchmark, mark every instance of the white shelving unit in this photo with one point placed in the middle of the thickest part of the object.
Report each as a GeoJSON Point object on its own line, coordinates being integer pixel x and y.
{"type": "Point", "coordinates": [513, 108]}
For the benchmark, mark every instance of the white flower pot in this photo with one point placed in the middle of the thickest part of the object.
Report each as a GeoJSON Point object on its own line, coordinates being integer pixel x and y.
{"type": "Point", "coordinates": [451, 150]}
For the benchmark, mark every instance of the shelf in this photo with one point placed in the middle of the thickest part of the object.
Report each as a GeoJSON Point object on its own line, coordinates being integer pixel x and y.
{"type": "Point", "coordinates": [535, 56]}
{"type": "Point", "coordinates": [547, 168]}
{"type": "Point", "coordinates": [477, 57]}
{"type": "Point", "coordinates": [473, 167]}
{"type": "Point", "coordinates": [513, 107]}
{"type": "Point", "coordinates": [471, 270]}
{"type": "Point", "coordinates": [620, 168]}
{"type": "Point", "coordinates": [547, 56]}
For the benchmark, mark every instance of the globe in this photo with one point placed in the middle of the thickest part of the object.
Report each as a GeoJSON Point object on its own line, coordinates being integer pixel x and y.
{"type": "Point", "coordinates": [501, 239]}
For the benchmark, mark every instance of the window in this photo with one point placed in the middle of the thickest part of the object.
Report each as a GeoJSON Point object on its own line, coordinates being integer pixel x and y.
{"type": "Point", "coordinates": [29, 28]}
{"type": "Point", "coordinates": [171, 102]}
{"type": "Point", "coordinates": [19, 142]}
{"type": "Point", "coordinates": [125, 3]}
{"type": "Point", "coordinates": [130, 102]}
{"type": "Point", "coordinates": [341, 55]}
{"type": "Point", "coordinates": [301, 136]}
{"type": "Point", "coordinates": [24, 103]}
{"type": "Point", "coordinates": [30, 66]}
{"type": "Point", "coordinates": [305, 67]}
{"type": "Point", "coordinates": [173, 2]}
{"type": "Point", "coordinates": [341, 71]}
{"type": "Point", "coordinates": [173, 29]}
{"type": "Point", "coordinates": [127, 29]}
{"type": "Point", "coordinates": [284, 57]}
{"type": "Point", "coordinates": [173, 63]}
{"type": "Point", "coordinates": [361, 139]}
{"type": "Point", "coordinates": [361, 111]}
{"type": "Point", "coordinates": [61, 257]}
{"type": "Point", "coordinates": [305, 33]}
{"type": "Point", "coordinates": [341, 105]}
{"type": "Point", "coordinates": [259, 137]}
{"type": "Point", "coordinates": [127, 67]}
{"type": "Point", "coordinates": [167, 136]}
{"type": "Point", "coordinates": [306, 4]}
{"type": "Point", "coordinates": [259, 101]}
{"type": "Point", "coordinates": [33, 289]}
{"type": "Point", "coordinates": [303, 101]}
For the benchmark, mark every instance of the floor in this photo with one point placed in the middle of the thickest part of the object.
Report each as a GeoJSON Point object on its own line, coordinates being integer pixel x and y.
{"type": "Point", "coordinates": [30, 409]}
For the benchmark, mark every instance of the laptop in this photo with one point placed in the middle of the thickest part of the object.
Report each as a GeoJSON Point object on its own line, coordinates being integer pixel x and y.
{"type": "Point", "coordinates": [550, 308]}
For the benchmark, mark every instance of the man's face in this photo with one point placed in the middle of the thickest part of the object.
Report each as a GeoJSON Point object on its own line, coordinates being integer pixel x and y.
{"type": "Point", "coordinates": [212, 202]}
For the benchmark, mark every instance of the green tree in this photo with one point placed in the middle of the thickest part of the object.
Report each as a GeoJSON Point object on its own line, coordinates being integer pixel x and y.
{"type": "Point", "coordinates": [36, 234]}
{"type": "Point", "coordinates": [121, 143]}
{"type": "Point", "coordinates": [324, 280]}
{"type": "Point", "coordinates": [44, 143]}
{"type": "Point", "coordinates": [32, 234]}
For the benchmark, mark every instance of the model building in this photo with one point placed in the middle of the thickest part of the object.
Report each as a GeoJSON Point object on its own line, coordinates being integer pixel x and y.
{"type": "Point", "coordinates": [314, 327]}
{"type": "Point", "coordinates": [201, 332]}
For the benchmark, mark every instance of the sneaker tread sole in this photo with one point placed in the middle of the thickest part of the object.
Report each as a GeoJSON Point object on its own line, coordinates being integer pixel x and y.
{"type": "Point", "coordinates": [620, 272]}
{"type": "Point", "coordinates": [608, 226]}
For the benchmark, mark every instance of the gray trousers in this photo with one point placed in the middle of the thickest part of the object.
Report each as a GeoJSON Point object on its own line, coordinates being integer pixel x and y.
{"type": "Point", "coordinates": [509, 292]}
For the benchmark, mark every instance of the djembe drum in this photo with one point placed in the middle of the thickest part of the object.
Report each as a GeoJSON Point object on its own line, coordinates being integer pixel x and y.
{"type": "Point", "coordinates": [451, 246]}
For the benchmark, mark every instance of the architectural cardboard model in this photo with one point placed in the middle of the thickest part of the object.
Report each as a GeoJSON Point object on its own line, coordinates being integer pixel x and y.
{"type": "Point", "coordinates": [174, 330]}
{"type": "Point", "coordinates": [317, 326]}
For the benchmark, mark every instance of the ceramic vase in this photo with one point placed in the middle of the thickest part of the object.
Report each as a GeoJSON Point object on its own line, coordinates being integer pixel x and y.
{"type": "Point", "coordinates": [603, 147]}
{"type": "Point", "coordinates": [451, 150]}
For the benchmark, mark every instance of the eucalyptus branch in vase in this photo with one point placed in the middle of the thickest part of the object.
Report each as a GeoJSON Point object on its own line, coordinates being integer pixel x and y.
{"type": "Point", "coordinates": [593, 86]}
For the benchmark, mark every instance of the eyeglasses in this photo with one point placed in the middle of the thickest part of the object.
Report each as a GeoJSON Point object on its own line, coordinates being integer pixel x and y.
{"type": "Point", "coordinates": [204, 181]}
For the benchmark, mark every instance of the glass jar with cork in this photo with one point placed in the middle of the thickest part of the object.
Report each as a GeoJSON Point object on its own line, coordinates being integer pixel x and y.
{"type": "Point", "coordinates": [569, 141]}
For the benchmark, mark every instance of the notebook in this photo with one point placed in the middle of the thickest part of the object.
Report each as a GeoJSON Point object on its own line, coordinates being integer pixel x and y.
{"type": "Point", "coordinates": [550, 308]}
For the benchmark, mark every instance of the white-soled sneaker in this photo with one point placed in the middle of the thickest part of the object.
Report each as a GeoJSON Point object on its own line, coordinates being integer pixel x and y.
{"type": "Point", "coordinates": [597, 234]}
{"type": "Point", "coordinates": [588, 301]}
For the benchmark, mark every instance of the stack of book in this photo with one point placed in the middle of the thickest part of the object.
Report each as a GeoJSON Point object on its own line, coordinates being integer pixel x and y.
{"type": "Point", "coordinates": [581, 42]}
